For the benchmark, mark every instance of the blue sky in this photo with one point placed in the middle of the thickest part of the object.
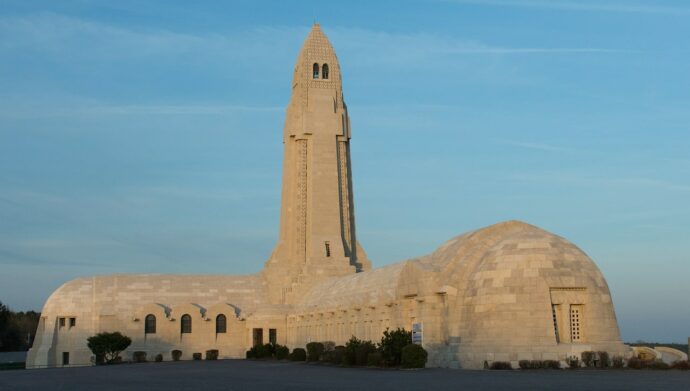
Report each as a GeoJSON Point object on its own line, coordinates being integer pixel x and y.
{"type": "Point", "coordinates": [146, 136]}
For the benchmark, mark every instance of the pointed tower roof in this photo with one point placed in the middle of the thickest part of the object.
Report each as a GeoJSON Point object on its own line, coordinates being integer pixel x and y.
{"type": "Point", "coordinates": [317, 49]}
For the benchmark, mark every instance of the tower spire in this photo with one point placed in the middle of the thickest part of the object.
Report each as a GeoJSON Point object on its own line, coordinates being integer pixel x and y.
{"type": "Point", "coordinates": [317, 224]}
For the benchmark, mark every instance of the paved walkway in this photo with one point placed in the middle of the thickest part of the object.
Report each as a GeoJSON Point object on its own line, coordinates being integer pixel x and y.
{"type": "Point", "coordinates": [266, 375]}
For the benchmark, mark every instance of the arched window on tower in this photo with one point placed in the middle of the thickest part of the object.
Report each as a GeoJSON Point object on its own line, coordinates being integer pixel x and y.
{"type": "Point", "coordinates": [186, 324]}
{"type": "Point", "coordinates": [324, 71]}
{"type": "Point", "coordinates": [221, 324]}
{"type": "Point", "coordinates": [315, 69]}
{"type": "Point", "coordinates": [150, 324]}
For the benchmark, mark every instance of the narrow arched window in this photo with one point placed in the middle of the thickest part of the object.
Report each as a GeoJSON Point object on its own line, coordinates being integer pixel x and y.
{"type": "Point", "coordinates": [324, 71]}
{"type": "Point", "coordinates": [315, 69]}
{"type": "Point", "coordinates": [221, 324]}
{"type": "Point", "coordinates": [186, 324]}
{"type": "Point", "coordinates": [150, 324]}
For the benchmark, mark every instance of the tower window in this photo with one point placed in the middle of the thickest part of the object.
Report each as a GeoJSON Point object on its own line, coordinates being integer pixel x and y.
{"type": "Point", "coordinates": [72, 322]}
{"type": "Point", "coordinates": [150, 324]}
{"type": "Point", "coordinates": [186, 324]}
{"type": "Point", "coordinates": [221, 324]}
{"type": "Point", "coordinates": [328, 249]}
{"type": "Point", "coordinates": [61, 321]}
{"type": "Point", "coordinates": [324, 71]}
{"type": "Point", "coordinates": [315, 69]}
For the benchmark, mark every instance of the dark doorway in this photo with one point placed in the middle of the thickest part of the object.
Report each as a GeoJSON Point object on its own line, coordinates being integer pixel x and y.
{"type": "Point", "coordinates": [272, 336]}
{"type": "Point", "coordinates": [65, 358]}
{"type": "Point", "coordinates": [258, 335]}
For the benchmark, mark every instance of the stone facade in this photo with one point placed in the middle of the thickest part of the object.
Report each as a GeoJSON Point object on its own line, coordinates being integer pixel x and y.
{"type": "Point", "coordinates": [507, 292]}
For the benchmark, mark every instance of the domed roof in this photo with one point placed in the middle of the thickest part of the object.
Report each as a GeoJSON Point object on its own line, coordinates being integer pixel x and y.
{"type": "Point", "coordinates": [520, 248]}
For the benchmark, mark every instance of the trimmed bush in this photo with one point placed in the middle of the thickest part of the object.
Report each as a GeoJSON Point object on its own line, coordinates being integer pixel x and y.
{"type": "Point", "coordinates": [212, 354]}
{"type": "Point", "coordinates": [682, 365]}
{"type": "Point", "coordinates": [551, 364]}
{"type": "Point", "coordinates": [524, 364]}
{"type": "Point", "coordinates": [500, 365]}
{"type": "Point", "coordinates": [139, 356]}
{"type": "Point", "coordinates": [314, 351]}
{"type": "Point", "coordinates": [108, 345]}
{"type": "Point", "coordinates": [603, 360]}
{"type": "Point", "coordinates": [392, 344]}
{"type": "Point", "coordinates": [282, 352]}
{"type": "Point", "coordinates": [159, 358]}
{"type": "Point", "coordinates": [374, 359]}
{"type": "Point", "coordinates": [573, 362]}
{"type": "Point", "coordinates": [617, 362]}
{"type": "Point", "coordinates": [351, 347]}
{"type": "Point", "coordinates": [298, 354]}
{"type": "Point", "coordinates": [413, 356]}
{"type": "Point", "coordinates": [328, 346]}
{"type": "Point", "coordinates": [657, 364]}
{"type": "Point", "coordinates": [636, 363]}
{"type": "Point", "coordinates": [362, 352]}
{"type": "Point", "coordinates": [176, 354]}
{"type": "Point", "coordinates": [588, 359]}
{"type": "Point", "coordinates": [338, 355]}
{"type": "Point", "coordinates": [196, 356]}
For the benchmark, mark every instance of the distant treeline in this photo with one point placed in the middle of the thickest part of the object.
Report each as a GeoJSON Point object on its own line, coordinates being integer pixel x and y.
{"type": "Point", "coordinates": [17, 329]}
{"type": "Point", "coordinates": [680, 346]}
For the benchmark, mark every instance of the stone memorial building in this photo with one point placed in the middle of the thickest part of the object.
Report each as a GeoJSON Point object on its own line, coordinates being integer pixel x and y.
{"type": "Point", "coordinates": [507, 292]}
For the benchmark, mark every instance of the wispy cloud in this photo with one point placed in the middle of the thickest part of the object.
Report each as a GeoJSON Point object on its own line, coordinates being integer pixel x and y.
{"type": "Point", "coordinates": [131, 110]}
{"type": "Point", "coordinates": [594, 181]}
{"type": "Point", "coordinates": [534, 146]}
{"type": "Point", "coordinates": [598, 6]}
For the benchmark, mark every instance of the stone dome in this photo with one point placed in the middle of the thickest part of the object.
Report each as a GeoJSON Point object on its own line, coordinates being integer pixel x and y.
{"type": "Point", "coordinates": [522, 289]}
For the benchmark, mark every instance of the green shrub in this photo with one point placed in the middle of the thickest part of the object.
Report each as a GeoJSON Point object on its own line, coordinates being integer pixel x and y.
{"type": "Point", "coordinates": [374, 359]}
{"type": "Point", "coordinates": [212, 354]}
{"type": "Point", "coordinates": [573, 362]}
{"type": "Point", "coordinates": [139, 356]}
{"type": "Point", "coordinates": [588, 359]}
{"type": "Point", "coordinates": [159, 357]}
{"type": "Point", "coordinates": [176, 354]}
{"type": "Point", "coordinates": [356, 351]}
{"type": "Point", "coordinates": [617, 362]}
{"type": "Point", "coordinates": [108, 345]}
{"type": "Point", "coordinates": [282, 352]}
{"type": "Point", "coordinates": [413, 356]}
{"type": "Point", "coordinates": [657, 364]}
{"type": "Point", "coordinates": [314, 351]}
{"type": "Point", "coordinates": [362, 352]}
{"type": "Point", "coordinates": [328, 346]}
{"type": "Point", "coordinates": [551, 364]}
{"type": "Point", "coordinates": [392, 344]}
{"type": "Point", "coordinates": [196, 356]}
{"type": "Point", "coordinates": [636, 363]}
{"type": "Point", "coordinates": [500, 365]}
{"type": "Point", "coordinates": [603, 360]}
{"type": "Point", "coordinates": [338, 355]}
{"type": "Point", "coordinates": [524, 364]}
{"type": "Point", "coordinates": [298, 354]}
{"type": "Point", "coordinates": [682, 365]}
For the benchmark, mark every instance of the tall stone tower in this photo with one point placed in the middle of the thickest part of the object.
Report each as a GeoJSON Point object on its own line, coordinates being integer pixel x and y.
{"type": "Point", "coordinates": [317, 221]}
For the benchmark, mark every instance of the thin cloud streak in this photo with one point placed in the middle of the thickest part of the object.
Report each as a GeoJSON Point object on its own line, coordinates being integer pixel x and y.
{"type": "Point", "coordinates": [581, 6]}
{"type": "Point", "coordinates": [535, 146]}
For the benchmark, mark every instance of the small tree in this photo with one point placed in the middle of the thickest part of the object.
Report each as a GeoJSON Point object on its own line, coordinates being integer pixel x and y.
{"type": "Point", "coordinates": [108, 345]}
{"type": "Point", "coordinates": [392, 344]}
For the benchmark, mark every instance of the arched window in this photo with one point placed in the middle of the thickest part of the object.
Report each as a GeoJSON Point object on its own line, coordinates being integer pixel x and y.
{"type": "Point", "coordinates": [221, 324]}
{"type": "Point", "coordinates": [186, 324]}
{"type": "Point", "coordinates": [324, 71]}
{"type": "Point", "coordinates": [150, 324]}
{"type": "Point", "coordinates": [315, 68]}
